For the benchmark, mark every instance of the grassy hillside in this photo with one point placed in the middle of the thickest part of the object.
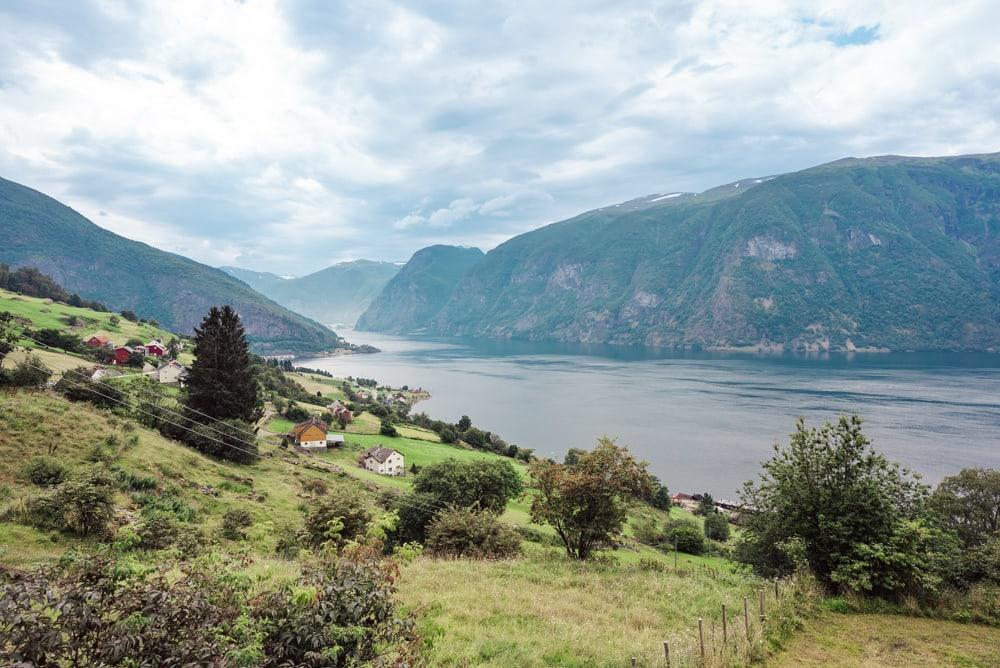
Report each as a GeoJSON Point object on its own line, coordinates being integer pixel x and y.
{"type": "Point", "coordinates": [886, 253]}
{"type": "Point", "coordinates": [335, 295]}
{"type": "Point", "coordinates": [38, 231]}
{"type": "Point", "coordinates": [417, 293]}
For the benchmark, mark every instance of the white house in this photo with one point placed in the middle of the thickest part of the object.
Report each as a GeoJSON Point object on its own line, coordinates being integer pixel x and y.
{"type": "Point", "coordinates": [171, 372]}
{"type": "Point", "coordinates": [383, 460]}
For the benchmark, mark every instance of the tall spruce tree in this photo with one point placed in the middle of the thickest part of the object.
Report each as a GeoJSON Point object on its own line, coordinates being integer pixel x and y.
{"type": "Point", "coordinates": [221, 382]}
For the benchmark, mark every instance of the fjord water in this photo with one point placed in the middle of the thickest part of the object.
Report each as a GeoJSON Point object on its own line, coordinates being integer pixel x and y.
{"type": "Point", "coordinates": [704, 421]}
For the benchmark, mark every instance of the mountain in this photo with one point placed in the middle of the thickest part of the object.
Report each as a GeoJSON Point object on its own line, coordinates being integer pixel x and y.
{"type": "Point", "coordinates": [335, 295]}
{"type": "Point", "coordinates": [880, 253]}
{"type": "Point", "coordinates": [421, 288]}
{"type": "Point", "coordinates": [38, 231]}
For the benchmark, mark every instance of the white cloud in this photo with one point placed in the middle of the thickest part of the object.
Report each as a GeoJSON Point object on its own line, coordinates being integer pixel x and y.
{"type": "Point", "coordinates": [271, 131]}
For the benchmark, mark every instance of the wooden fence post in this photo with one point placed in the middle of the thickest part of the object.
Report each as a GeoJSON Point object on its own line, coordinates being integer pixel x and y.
{"type": "Point", "coordinates": [775, 590]}
{"type": "Point", "coordinates": [725, 631]}
{"type": "Point", "coordinates": [701, 638]}
{"type": "Point", "coordinates": [762, 606]}
{"type": "Point", "coordinates": [746, 617]}
{"type": "Point", "coordinates": [635, 662]}
{"type": "Point", "coordinates": [666, 652]}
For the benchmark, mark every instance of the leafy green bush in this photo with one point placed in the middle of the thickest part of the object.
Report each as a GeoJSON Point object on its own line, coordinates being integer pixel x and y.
{"type": "Point", "coordinates": [462, 532]}
{"type": "Point", "coordinates": [235, 521]}
{"type": "Point", "coordinates": [685, 536]}
{"type": "Point", "coordinates": [31, 372]}
{"type": "Point", "coordinates": [484, 484]}
{"type": "Point", "coordinates": [45, 471]}
{"type": "Point", "coordinates": [415, 511]}
{"type": "Point", "coordinates": [157, 530]}
{"type": "Point", "coordinates": [341, 515]}
{"type": "Point", "coordinates": [83, 505]}
{"type": "Point", "coordinates": [717, 527]}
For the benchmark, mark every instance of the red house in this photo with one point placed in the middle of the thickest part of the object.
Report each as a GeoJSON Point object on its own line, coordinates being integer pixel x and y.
{"type": "Point", "coordinates": [156, 349]}
{"type": "Point", "coordinates": [97, 341]}
{"type": "Point", "coordinates": [122, 354]}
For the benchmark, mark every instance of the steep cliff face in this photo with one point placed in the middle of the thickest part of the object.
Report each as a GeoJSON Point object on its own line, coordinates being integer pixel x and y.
{"type": "Point", "coordinates": [416, 294]}
{"type": "Point", "coordinates": [888, 253]}
{"type": "Point", "coordinates": [38, 231]}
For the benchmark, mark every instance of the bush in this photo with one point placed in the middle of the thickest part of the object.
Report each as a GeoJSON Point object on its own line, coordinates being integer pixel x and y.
{"type": "Point", "coordinates": [461, 532]}
{"type": "Point", "coordinates": [157, 530]}
{"type": "Point", "coordinates": [341, 515]}
{"type": "Point", "coordinates": [717, 527]}
{"type": "Point", "coordinates": [685, 536]}
{"type": "Point", "coordinates": [484, 484]}
{"type": "Point", "coordinates": [45, 471]}
{"type": "Point", "coordinates": [415, 510]}
{"type": "Point", "coordinates": [32, 372]}
{"type": "Point", "coordinates": [648, 532]}
{"type": "Point", "coordinates": [83, 505]}
{"type": "Point", "coordinates": [76, 385]}
{"type": "Point", "coordinates": [386, 428]}
{"type": "Point", "coordinates": [234, 523]}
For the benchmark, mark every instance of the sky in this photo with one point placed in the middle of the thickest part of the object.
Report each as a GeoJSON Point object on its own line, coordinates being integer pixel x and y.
{"type": "Point", "coordinates": [287, 136]}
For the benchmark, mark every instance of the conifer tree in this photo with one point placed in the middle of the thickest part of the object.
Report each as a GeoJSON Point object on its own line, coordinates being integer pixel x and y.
{"type": "Point", "coordinates": [221, 382]}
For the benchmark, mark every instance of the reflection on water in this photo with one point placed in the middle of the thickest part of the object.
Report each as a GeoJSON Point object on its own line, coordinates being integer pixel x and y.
{"type": "Point", "coordinates": [703, 420]}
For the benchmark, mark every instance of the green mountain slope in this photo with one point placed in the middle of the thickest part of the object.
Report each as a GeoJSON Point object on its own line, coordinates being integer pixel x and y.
{"type": "Point", "coordinates": [335, 295]}
{"type": "Point", "coordinates": [417, 293]}
{"type": "Point", "coordinates": [890, 253]}
{"type": "Point", "coordinates": [38, 231]}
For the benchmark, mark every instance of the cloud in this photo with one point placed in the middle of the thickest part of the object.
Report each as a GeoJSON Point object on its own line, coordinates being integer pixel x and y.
{"type": "Point", "coordinates": [285, 135]}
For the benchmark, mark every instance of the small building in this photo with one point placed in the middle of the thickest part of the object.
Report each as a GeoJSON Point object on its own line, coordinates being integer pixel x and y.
{"type": "Point", "coordinates": [310, 433]}
{"type": "Point", "coordinates": [334, 440]}
{"type": "Point", "coordinates": [383, 460]}
{"type": "Point", "coordinates": [685, 501]}
{"type": "Point", "coordinates": [172, 372]}
{"type": "Point", "coordinates": [97, 341]}
{"type": "Point", "coordinates": [339, 410]}
{"type": "Point", "coordinates": [156, 349]}
{"type": "Point", "coordinates": [100, 372]}
{"type": "Point", "coordinates": [122, 353]}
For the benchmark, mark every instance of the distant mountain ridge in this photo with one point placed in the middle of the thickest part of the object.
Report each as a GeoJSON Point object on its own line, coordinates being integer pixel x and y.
{"type": "Point", "coordinates": [335, 295]}
{"type": "Point", "coordinates": [38, 231]}
{"type": "Point", "coordinates": [879, 253]}
{"type": "Point", "coordinates": [421, 288]}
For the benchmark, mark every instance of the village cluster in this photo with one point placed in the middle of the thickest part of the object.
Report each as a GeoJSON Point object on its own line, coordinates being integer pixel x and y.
{"type": "Point", "coordinates": [169, 370]}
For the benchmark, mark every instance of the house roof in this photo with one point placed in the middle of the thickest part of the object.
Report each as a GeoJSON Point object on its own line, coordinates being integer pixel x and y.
{"type": "Point", "coordinates": [336, 438]}
{"type": "Point", "coordinates": [379, 454]}
{"type": "Point", "coordinates": [302, 426]}
{"type": "Point", "coordinates": [99, 337]}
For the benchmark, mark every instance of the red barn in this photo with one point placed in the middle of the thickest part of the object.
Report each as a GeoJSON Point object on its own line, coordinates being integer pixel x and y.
{"type": "Point", "coordinates": [156, 349]}
{"type": "Point", "coordinates": [122, 354]}
{"type": "Point", "coordinates": [97, 341]}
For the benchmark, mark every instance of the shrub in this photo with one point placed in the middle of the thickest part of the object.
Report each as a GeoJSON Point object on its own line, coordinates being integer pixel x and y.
{"type": "Point", "coordinates": [485, 484]}
{"type": "Point", "coordinates": [235, 521]}
{"type": "Point", "coordinates": [648, 532]}
{"type": "Point", "coordinates": [83, 505]}
{"type": "Point", "coordinates": [157, 530]}
{"type": "Point", "coordinates": [76, 385]}
{"type": "Point", "coordinates": [45, 471]}
{"type": "Point", "coordinates": [461, 532]}
{"type": "Point", "coordinates": [415, 511]}
{"type": "Point", "coordinates": [31, 372]}
{"type": "Point", "coordinates": [386, 428]}
{"type": "Point", "coordinates": [341, 515]}
{"type": "Point", "coordinates": [685, 536]}
{"type": "Point", "coordinates": [717, 527]}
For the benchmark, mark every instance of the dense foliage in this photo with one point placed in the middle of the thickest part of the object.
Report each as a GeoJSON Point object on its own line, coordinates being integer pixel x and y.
{"type": "Point", "coordinates": [338, 613]}
{"type": "Point", "coordinates": [482, 484]}
{"type": "Point", "coordinates": [829, 501]}
{"type": "Point", "coordinates": [586, 502]}
{"type": "Point", "coordinates": [464, 532]}
{"type": "Point", "coordinates": [33, 283]}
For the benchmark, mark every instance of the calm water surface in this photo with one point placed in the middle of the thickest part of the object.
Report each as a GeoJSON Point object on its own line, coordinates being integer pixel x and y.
{"type": "Point", "coordinates": [703, 420]}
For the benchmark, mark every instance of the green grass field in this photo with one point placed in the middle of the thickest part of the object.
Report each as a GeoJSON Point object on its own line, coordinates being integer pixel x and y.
{"type": "Point", "coordinates": [889, 641]}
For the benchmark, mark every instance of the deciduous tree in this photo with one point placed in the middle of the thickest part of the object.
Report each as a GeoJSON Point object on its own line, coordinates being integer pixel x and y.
{"type": "Point", "coordinates": [587, 503]}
